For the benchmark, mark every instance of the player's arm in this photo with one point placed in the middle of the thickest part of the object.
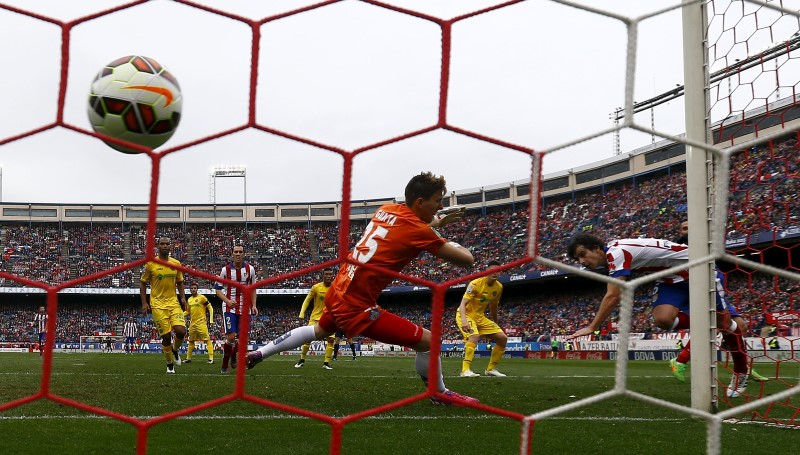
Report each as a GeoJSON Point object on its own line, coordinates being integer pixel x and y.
{"type": "Point", "coordinates": [143, 295]}
{"type": "Point", "coordinates": [181, 295]}
{"type": "Point", "coordinates": [462, 310]}
{"type": "Point", "coordinates": [210, 311]}
{"type": "Point", "coordinates": [221, 296]}
{"type": "Point", "coordinates": [456, 254]}
{"type": "Point", "coordinates": [218, 286]}
{"type": "Point", "coordinates": [609, 302]}
{"type": "Point", "coordinates": [447, 216]}
{"type": "Point", "coordinates": [312, 294]}
{"type": "Point", "coordinates": [143, 289]}
{"type": "Point", "coordinates": [494, 305]}
{"type": "Point", "coordinates": [493, 310]}
{"type": "Point", "coordinates": [253, 307]}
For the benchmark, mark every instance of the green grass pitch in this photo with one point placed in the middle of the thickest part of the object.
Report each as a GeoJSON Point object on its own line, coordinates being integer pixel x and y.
{"type": "Point", "coordinates": [137, 385]}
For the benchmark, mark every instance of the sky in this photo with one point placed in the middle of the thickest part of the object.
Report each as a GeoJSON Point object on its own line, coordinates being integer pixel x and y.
{"type": "Point", "coordinates": [538, 74]}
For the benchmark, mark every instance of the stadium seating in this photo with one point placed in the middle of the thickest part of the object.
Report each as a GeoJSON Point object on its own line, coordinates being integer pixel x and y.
{"type": "Point", "coordinates": [763, 197]}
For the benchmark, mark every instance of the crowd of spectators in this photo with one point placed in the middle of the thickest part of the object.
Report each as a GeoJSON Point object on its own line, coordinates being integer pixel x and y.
{"type": "Point", "coordinates": [764, 186]}
{"type": "Point", "coordinates": [529, 314]}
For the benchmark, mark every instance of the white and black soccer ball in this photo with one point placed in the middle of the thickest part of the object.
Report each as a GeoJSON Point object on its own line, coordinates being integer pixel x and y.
{"type": "Point", "coordinates": [135, 99]}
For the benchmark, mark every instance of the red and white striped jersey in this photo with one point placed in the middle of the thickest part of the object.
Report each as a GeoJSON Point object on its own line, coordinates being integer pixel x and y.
{"type": "Point", "coordinates": [130, 329]}
{"type": "Point", "coordinates": [246, 274]}
{"type": "Point", "coordinates": [627, 256]}
{"type": "Point", "coordinates": [40, 322]}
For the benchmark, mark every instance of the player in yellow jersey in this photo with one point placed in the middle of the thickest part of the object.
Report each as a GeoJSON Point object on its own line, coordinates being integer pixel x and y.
{"type": "Point", "coordinates": [473, 323]}
{"type": "Point", "coordinates": [167, 310]}
{"type": "Point", "coordinates": [198, 326]}
{"type": "Point", "coordinates": [316, 297]}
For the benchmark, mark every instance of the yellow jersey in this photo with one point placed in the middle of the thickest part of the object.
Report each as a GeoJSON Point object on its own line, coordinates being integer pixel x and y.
{"type": "Point", "coordinates": [197, 306]}
{"type": "Point", "coordinates": [317, 296]}
{"type": "Point", "coordinates": [480, 294]}
{"type": "Point", "coordinates": [162, 280]}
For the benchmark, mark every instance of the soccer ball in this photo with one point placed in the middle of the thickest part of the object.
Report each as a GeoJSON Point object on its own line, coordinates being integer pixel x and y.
{"type": "Point", "coordinates": [135, 99]}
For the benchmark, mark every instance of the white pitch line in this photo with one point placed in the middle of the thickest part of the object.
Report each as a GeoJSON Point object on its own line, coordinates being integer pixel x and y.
{"type": "Point", "coordinates": [346, 376]}
{"type": "Point", "coordinates": [378, 417]}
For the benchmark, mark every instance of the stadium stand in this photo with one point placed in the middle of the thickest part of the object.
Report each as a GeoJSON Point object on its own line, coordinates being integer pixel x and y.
{"type": "Point", "coordinates": [763, 198]}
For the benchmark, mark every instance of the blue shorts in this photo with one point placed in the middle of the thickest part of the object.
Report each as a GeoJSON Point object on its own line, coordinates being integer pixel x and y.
{"type": "Point", "coordinates": [677, 295]}
{"type": "Point", "coordinates": [231, 322]}
{"type": "Point", "coordinates": [130, 340]}
{"type": "Point", "coordinates": [42, 336]}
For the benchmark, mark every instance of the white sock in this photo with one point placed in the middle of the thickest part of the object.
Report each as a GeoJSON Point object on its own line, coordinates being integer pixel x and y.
{"type": "Point", "coordinates": [289, 340]}
{"type": "Point", "coordinates": [732, 328]}
{"type": "Point", "coordinates": [421, 363]}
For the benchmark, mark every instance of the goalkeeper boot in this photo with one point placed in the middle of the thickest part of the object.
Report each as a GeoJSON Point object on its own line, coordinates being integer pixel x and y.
{"type": "Point", "coordinates": [170, 369]}
{"type": "Point", "coordinates": [187, 361]}
{"type": "Point", "coordinates": [327, 366]}
{"type": "Point", "coordinates": [254, 358]}
{"type": "Point", "coordinates": [678, 369]}
{"type": "Point", "coordinates": [450, 398]}
{"type": "Point", "coordinates": [300, 363]}
{"type": "Point", "coordinates": [211, 361]}
{"type": "Point", "coordinates": [469, 374]}
{"type": "Point", "coordinates": [737, 386]}
{"type": "Point", "coordinates": [176, 357]}
{"type": "Point", "coordinates": [494, 372]}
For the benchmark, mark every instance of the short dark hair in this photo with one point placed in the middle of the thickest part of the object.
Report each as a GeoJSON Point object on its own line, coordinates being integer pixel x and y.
{"type": "Point", "coordinates": [588, 241]}
{"type": "Point", "coordinates": [424, 186]}
{"type": "Point", "coordinates": [493, 263]}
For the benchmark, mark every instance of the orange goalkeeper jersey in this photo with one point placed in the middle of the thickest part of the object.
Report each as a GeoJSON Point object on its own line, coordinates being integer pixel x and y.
{"type": "Point", "coordinates": [392, 239]}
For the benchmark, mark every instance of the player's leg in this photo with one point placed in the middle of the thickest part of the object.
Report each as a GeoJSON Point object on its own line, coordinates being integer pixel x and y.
{"type": "Point", "coordinates": [202, 336]}
{"type": "Point", "coordinates": [190, 340]}
{"type": "Point", "coordinates": [500, 340]}
{"type": "Point", "coordinates": [328, 349]}
{"type": "Point", "coordinates": [303, 353]}
{"type": "Point", "coordinates": [669, 317]}
{"type": "Point", "coordinates": [337, 341]}
{"type": "Point", "coordinates": [470, 343]}
{"type": "Point", "coordinates": [189, 349]}
{"type": "Point", "coordinates": [670, 310]}
{"type": "Point", "coordinates": [732, 336]}
{"type": "Point", "coordinates": [209, 346]}
{"type": "Point", "coordinates": [161, 321]}
{"type": "Point", "coordinates": [352, 347]}
{"type": "Point", "coordinates": [179, 330]}
{"type": "Point", "coordinates": [235, 352]}
{"type": "Point", "coordinates": [305, 348]}
{"type": "Point", "coordinates": [229, 324]}
{"type": "Point", "coordinates": [392, 329]}
{"type": "Point", "coordinates": [742, 324]}
{"type": "Point", "coordinates": [293, 339]}
{"type": "Point", "coordinates": [326, 364]}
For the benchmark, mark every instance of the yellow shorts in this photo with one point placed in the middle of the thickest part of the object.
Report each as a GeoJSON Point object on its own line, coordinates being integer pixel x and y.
{"type": "Point", "coordinates": [165, 319]}
{"type": "Point", "coordinates": [480, 325]}
{"type": "Point", "coordinates": [198, 332]}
